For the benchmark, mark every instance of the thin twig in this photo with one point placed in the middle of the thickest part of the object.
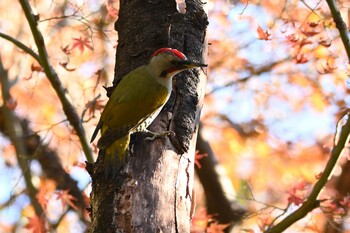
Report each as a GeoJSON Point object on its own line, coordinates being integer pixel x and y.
{"type": "Point", "coordinates": [56, 83]}
{"type": "Point", "coordinates": [89, 105]}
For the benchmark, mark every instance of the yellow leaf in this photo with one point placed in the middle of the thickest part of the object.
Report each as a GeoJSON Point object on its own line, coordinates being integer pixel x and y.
{"type": "Point", "coordinates": [317, 101]}
{"type": "Point", "coordinates": [320, 52]}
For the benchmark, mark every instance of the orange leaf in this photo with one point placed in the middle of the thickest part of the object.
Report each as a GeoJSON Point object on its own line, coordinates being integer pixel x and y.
{"type": "Point", "coordinates": [319, 175]}
{"type": "Point", "coordinates": [263, 35]}
{"type": "Point", "coordinates": [41, 197]}
{"type": "Point", "coordinates": [79, 164]}
{"type": "Point", "coordinates": [112, 11]}
{"type": "Point", "coordinates": [215, 227]}
{"type": "Point", "coordinates": [36, 68]}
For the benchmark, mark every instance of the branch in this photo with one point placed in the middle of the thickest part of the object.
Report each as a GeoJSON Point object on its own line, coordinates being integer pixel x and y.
{"type": "Point", "coordinates": [219, 193]}
{"type": "Point", "coordinates": [340, 24]}
{"type": "Point", "coordinates": [15, 133]}
{"type": "Point", "coordinates": [312, 202]}
{"type": "Point", "coordinates": [253, 72]}
{"type": "Point", "coordinates": [21, 46]}
{"type": "Point", "coordinates": [68, 108]}
{"type": "Point", "coordinates": [29, 146]}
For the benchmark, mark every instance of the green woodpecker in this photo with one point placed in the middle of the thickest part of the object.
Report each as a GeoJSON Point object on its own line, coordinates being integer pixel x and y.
{"type": "Point", "coordinates": [136, 102]}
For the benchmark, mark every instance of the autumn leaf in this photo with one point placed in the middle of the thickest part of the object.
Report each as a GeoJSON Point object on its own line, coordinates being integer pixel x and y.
{"type": "Point", "coordinates": [66, 198]}
{"type": "Point", "coordinates": [296, 200]}
{"type": "Point", "coordinates": [296, 195]}
{"type": "Point", "coordinates": [66, 49]}
{"type": "Point", "coordinates": [11, 104]}
{"type": "Point", "coordinates": [79, 164]}
{"type": "Point", "coordinates": [64, 65]}
{"type": "Point", "coordinates": [81, 44]}
{"type": "Point", "coordinates": [36, 224]}
{"type": "Point", "coordinates": [326, 42]}
{"type": "Point", "coordinates": [263, 35]}
{"type": "Point", "coordinates": [198, 157]}
{"type": "Point", "coordinates": [111, 10]}
{"type": "Point", "coordinates": [200, 219]}
{"type": "Point", "coordinates": [301, 59]}
{"type": "Point", "coordinates": [216, 227]}
{"type": "Point", "coordinates": [313, 24]}
{"type": "Point", "coordinates": [36, 68]}
{"type": "Point", "coordinates": [319, 175]}
{"type": "Point", "coordinates": [41, 197]}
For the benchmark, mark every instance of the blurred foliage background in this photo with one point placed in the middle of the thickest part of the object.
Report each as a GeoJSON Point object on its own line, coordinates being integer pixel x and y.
{"type": "Point", "coordinates": [277, 86]}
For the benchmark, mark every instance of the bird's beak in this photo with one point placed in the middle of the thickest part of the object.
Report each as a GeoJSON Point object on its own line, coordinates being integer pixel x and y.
{"type": "Point", "coordinates": [186, 64]}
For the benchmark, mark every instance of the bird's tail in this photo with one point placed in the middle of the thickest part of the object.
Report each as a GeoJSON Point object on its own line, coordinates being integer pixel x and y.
{"type": "Point", "coordinates": [115, 156]}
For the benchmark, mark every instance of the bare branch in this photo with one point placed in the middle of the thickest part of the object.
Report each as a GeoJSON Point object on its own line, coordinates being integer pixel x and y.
{"type": "Point", "coordinates": [312, 202]}
{"type": "Point", "coordinates": [21, 46]}
{"type": "Point", "coordinates": [15, 133]}
{"type": "Point", "coordinates": [56, 83]}
{"type": "Point", "coordinates": [340, 24]}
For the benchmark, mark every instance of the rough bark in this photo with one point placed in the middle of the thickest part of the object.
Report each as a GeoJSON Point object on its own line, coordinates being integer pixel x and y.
{"type": "Point", "coordinates": [153, 191]}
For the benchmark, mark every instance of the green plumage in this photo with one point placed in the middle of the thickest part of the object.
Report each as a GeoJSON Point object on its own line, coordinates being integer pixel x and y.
{"type": "Point", "coordinates": [137, 97]}
{"type": "Point", "coordinates": [136, 102]}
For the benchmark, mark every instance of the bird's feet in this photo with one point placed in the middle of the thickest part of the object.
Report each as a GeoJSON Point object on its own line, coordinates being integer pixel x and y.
{"type": "Point", "coordinates": [154, 135]}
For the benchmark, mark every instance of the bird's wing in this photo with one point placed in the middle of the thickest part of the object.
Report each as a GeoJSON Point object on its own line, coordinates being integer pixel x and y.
{"type": "Point", "coordinates": [98, 127]}
{"type": "Point", "coordinates": [135, 98]}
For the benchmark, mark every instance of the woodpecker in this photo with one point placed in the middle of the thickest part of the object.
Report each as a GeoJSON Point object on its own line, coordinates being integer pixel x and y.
{"type": "Point", "coordinates": [136, 102]}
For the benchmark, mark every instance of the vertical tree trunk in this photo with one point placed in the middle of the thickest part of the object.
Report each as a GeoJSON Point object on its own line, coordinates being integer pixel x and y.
{"type": "Point", "coordinates": [153, 193]}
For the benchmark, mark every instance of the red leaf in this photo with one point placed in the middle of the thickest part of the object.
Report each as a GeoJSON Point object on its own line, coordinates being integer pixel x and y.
{"type": "Point", "coordinates": [296, 195]}
{"type": "Point", "coordinates": [66, 198]}
{"type": "Point", "coordinates": [301, 59]}
{"type": "Point", "coordinates": [81, 44]}
{"type": "Point", "coordinates": [36, 224]}
{"type": "Point", "coordinates": [313, 24]}
{"type": "Point", "coordinates": [263, 35]}
{"type": "Point", "coordinates": [198, 157]}
{"type": "Point", "coordinates": [295, 199]}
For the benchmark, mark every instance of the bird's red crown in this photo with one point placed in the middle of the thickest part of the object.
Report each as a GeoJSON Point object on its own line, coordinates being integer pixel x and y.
{"type": "Point", "coordinates": [174, 52]}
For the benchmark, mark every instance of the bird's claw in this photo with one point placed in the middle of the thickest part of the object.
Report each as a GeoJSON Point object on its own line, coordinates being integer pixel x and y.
{"type": "Point", "coordinates": [158, 135]}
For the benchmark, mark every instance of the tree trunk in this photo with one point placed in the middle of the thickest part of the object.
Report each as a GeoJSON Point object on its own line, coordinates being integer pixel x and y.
{"type": "Point", "coordinates": [153, 192]}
